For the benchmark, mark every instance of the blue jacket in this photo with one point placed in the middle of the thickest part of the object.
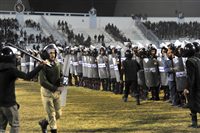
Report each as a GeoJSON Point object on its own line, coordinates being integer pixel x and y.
{"type": "Point", "coordinates": [169, 69]}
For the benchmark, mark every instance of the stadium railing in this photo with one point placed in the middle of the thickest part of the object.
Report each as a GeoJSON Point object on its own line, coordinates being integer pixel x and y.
{"type": "Point", "coordinates": [148, 33]}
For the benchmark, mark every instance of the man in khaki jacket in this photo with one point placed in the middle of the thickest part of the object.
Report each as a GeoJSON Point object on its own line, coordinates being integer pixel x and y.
{"type": "Point", "coordinates": [50, 91]}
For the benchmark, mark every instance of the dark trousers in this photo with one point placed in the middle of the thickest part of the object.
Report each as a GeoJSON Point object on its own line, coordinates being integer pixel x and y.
{"type": "Point", "coordinates": [166, 92]}
{"type": "Point", "coordinates": [172, 88]}
{"type": "Point", "coordinates": [11, 115]}
{"type": "Point", "coordinates": [70, 80]}
{"type": "Point", "coordinates": [155, 92]}
{"type": "Point", "coordinates": [114, 85]}
{"type": "Point", "coordinates": [80, 80]}
{"type": "Point", "coordinates": [104, 83]}
{"type": "Point", "coordinates": [181, 97]}
{"type": "Point", "coordinates": [128, 84]}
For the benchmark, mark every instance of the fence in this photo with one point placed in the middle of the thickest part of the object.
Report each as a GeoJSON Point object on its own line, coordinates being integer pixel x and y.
{"type": "Point", "coordinates": [46, 13]}
{"type": "Point", "coordinates": [57, 35]}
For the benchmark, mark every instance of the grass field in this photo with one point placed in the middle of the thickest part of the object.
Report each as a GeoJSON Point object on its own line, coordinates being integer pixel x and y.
{"type": "Point", "coordinates": [99, 111]}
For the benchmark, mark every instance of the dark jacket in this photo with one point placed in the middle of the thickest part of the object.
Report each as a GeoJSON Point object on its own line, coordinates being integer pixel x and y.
{"type": "Point", "coordinates": [130, 68]}
{"type": "Point", "coordinates": [193, 78]}
{"type": "Point", "coordinates": [50, 77]}
{"type": "Point", "coordinates": [8, 75]}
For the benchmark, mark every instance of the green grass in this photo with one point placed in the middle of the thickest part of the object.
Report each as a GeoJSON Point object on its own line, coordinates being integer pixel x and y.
{"type": "Point", "coordinates": [99, 111]}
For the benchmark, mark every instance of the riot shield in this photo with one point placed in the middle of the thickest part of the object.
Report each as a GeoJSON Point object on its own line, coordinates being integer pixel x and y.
{"type": "Point", "coordinates": [163, 74]}
{"type": "Point", "coordinates": [65, 78]}
{"type": "Point", "coordinates": [31, 66]}
{"type": "Point", "coordinates": [141, 77]}
{"type": "Point", "coordinates": [75, 64]}
{"type": "Point", "coordinates": [123, 55]}
{"type": "Point", "coordinates": [140, 73]}
{"type": "Point", "coordinates": [79, 58]}
{"type": "Point", "coordinates": [95, 73]}
{"type": "Point", "coordinates": [102, 67]}
{"type": "Point", "coordinates": [23, 64]}
{"type": "Point", "coordinates": [89, 67]}
{"type": "Point", "coordinates": [180, 74]}
{"type": "Point", "coordinates": [111, 66]}
{"type": "Point", "coordinates": [71, 64]}
{"type": "Point", "coordinates": [150, 72]}
{"type": "Point", "coordinates": [59, 60]}
{"type": "Point", "coordinates": [27, 60]}
{"type": "Point", "coordinates": [84, 65]}
{"type": "Point", "coordinates": [66, 65]}
{"type": "Point", "coordinates": [116, 70]}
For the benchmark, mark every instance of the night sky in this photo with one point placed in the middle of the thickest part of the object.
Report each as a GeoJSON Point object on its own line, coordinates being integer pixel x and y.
{"type": "Point", "coordinates": [103, 7]}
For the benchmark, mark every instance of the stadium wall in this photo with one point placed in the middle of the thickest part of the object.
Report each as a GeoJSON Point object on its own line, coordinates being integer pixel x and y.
{"type": "Point", "coordinates": [83, 22]}
{"type": "Point", "coordinates": [157, 8]}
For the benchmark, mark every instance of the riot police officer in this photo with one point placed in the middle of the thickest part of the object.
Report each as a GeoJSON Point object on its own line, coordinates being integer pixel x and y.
{"type": "Point", "coordinates": [130, 68]}
{"type": "Point", "coordinates": [103, 70]}
{"type": "Point", "coordinates": [121, 85]}
{"type": "Point", "coordinates": [8, 104]}
{"type": "Point", "coordinates": [197, 47]}
{"type": "Point", "coordinates": [141, 54]}
{"type": "Point", "coordinates": [114, 81]}
{"type": "Point", "coordinates": [155, 88]}
{"type": "Point", "coordinates": [193, 75]}
{"type": "Point", "coordinates": [50, 89]}
{"type": "Point", "coordinates": [164, 87]}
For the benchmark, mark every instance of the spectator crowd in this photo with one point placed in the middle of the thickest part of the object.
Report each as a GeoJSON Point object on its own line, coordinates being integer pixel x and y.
{"type": "Point", "coordinates": [173, 30]}
{"type": "Point", "coordinates": [115, 33]}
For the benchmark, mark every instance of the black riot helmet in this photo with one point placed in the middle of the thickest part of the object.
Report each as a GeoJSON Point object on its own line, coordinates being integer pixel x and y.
{"type": "Point", "coordinates": [135, 50]}
{"type": "Point", "coordinates": [164, 48]}
{"type": "Point", "coordinates": [115, 50]}
{"type": "Point", "coordinates": [7, 55]}
{"type": "Point", "coordinates": [171, 46]}
{"type": "Point", "coordinates": [143, 52]}
{"type": "Point", "coordinates": [189, 50]}
{"type": "Point", "coordinates": [46, 50]}
{"type": "Point", "coordinates": [152, 48]}
{"type": "Point", "coordinates": [197, 46]}
{"type": "Point", "coordinates": [129, 45]}
{"type": "Point", "coordinates": [94, 52]}
{"type": "Point", "coordinates": [109, 50]}
{"type": "Point", "coordinates": [119, 52]}
{"type": "Point", "coordinates": [128, 54]}
{"type": "Point", "coordinates": [102, 49]}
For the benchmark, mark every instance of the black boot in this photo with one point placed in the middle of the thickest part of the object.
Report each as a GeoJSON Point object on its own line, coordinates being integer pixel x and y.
{"type": "Point", "coordinates": [194, 121]}
{"type": "Point", "coordinates": [152, 94]}
{"type": "Point", "coordinates": [121, 86]}
{"type": "Point", "coordinates": [156, 98]}
{"type": "Point", "coordinates": [137, 99]}
{"type": "Point", "coordinates": [43, 124]}
{"type": "Point", "coordinates": [76, 83]}
{"type": "Point", "coordinates": [116, 91]}
{"type": "Point", "coordinates": [124, 99]}
{"type": "Point", "coordinates": [54, 131]}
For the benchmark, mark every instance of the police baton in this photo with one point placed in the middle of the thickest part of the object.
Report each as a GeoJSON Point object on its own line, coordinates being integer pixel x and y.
{"type": "Point", "coordinates": [36, 58]}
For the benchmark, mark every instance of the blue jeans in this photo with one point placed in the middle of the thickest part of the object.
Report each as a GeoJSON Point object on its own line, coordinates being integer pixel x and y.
{"type": "Point", "coordinates": [172, 88]}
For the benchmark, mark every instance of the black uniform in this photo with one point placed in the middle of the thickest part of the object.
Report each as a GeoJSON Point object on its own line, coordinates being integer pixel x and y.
{"type": "Point", "coordinates": [8, 104]}
{"type": "Point", "coordinates": [193, 73]}
{"type": "Point", "coordinates": [130, 68]}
